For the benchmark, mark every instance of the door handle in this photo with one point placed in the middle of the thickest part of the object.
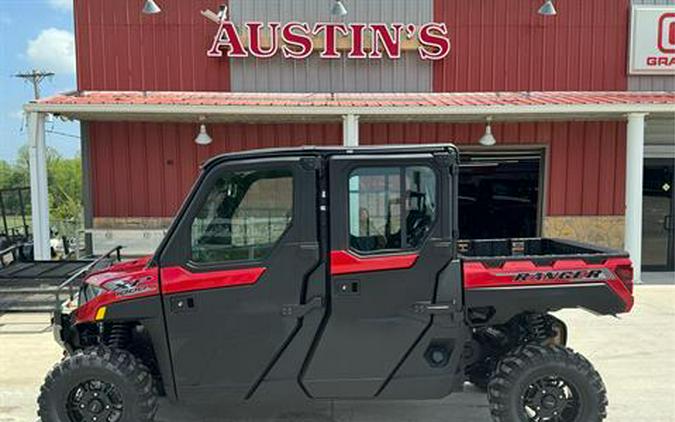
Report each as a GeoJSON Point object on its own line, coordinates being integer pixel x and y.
{"type": "Point", "coordinates": [666, 222]}
{"type": "Point", "coordinates": [348, 288]}
{"type": "Point", "coordinates": [182, 304]}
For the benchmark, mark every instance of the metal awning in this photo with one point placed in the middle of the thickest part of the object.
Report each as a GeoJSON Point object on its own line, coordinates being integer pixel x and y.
{"type": "Point", "coordinates": [301, 107]}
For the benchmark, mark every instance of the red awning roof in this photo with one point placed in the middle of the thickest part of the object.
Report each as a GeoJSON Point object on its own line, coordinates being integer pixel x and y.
{"type": "Point", "coordinates": [361, 100]}
{"type": "Point", "coordinates": [298, 107]}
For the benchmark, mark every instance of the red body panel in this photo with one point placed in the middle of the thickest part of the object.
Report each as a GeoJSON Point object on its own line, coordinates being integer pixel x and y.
{"type": "Point", "coordinates": [179, 280]}
{"type": "Point", "coordinates": [133, 280]}
{"type": "Point", "coordinates": [518, 273]}
{"type": "Point", "coordinates": [122, 282]}
{"type": "Point", "coordinates": [344, 262]}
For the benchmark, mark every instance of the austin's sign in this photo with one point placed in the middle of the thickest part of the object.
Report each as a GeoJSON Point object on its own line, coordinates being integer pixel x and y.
{"type": "Point", "coordinates": [330, 40]}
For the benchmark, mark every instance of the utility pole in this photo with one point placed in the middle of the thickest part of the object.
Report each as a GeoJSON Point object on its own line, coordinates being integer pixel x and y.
{"type": "Point", "coordinates": [35, 78]}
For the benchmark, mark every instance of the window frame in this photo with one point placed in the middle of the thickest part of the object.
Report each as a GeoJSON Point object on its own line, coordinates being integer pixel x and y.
{"type": "Point", "coordinates": [402, 169]}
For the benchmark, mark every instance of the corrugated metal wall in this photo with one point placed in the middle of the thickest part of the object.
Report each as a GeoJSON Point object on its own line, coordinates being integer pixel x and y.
{"type": "Point", "coordinates": [583, 48]}
{"type": "Point", "coordinates": [408, 74]}
{"type": "Point", "coordinates": [586, 162]}
{"type": "Point", "coordinates": [504, 45]}
{"type": "Point", "coordinates": [660, 138]}
{"type": "Point", "coordinates": [145, 170]}
{"type": "Point", "coordinates": [652, 82]}
{"type": "Point", "coordinates": [119, 48]}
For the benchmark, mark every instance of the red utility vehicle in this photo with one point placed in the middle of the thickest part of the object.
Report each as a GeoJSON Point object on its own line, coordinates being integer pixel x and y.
{"type": "Point", "coordinates": [334, 273]}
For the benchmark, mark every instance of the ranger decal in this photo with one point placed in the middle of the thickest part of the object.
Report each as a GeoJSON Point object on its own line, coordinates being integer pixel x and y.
{"type": "Point", "coordinates": [600, 274]}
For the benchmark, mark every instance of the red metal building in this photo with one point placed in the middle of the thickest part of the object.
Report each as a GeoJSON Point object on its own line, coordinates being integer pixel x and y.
{"type": "Point", "coordinates": [139, 171]}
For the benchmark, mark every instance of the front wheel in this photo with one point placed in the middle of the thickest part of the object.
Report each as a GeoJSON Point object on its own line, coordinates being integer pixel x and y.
{"type": "Point", "coordinates": [98, 385]}
{"type": "Point", "coordinates": [535, 383]}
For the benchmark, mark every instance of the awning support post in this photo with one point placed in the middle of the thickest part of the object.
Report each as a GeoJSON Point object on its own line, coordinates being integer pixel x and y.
{"type": "Point", "coordinates": [350, 130]}
{"type": "Point", "coordinates": [37, 155]}
{"type": "Point", "coordinates": [635, 147]}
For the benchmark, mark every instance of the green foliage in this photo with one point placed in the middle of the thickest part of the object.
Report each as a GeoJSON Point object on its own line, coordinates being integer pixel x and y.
{"type": "Point", "coordinates": [65, 185]}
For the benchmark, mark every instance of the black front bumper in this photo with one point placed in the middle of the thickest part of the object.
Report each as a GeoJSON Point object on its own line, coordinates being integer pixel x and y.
{"type": "Point", "coordinates": [63, 333]}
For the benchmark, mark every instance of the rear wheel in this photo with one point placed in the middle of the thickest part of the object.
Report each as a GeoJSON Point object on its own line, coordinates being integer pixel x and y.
{"type": "Point", "coordinates": [537, 383]}
{"type": "Point", "coordinates": [495, 343]}
{"type": "Point", "coordinates": [98, 385]}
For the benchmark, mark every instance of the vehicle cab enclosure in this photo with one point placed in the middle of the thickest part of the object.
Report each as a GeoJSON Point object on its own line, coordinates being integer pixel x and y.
{"type": "Point", "coordinates": [324, 273]}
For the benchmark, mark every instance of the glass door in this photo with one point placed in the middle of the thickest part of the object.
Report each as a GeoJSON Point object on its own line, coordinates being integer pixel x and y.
{"type": "Point", "coordinates": [658, 227]}
{"type": "Point", "coordinates": [501, 190]}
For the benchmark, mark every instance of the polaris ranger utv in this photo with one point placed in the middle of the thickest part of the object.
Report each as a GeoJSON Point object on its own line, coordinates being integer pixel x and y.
{"type": "Point", "coordinates": [328, 274]}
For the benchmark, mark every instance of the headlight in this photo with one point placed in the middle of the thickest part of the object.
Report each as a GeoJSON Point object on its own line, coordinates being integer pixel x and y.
{"type": "Point", "coordinates": [88, 292]}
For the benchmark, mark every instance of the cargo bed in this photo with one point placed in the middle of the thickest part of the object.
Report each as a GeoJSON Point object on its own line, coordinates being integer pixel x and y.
{"type": "Point", "coordinates": [542, 275]}
{"type": "Point", "coordinates": [539, 250]}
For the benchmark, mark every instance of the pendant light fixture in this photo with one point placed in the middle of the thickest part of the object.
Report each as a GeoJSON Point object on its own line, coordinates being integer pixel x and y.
{"type": "Point", "coordinates": [488, 139]}
{"type": "Point", "coordinates": [203, 138]}
{"type": "Point", "coordinates": [548, 9]}
{"type": "Point", "coordinates": [339, 9]}
{"type": "Point", "coordinates": [151, 8]}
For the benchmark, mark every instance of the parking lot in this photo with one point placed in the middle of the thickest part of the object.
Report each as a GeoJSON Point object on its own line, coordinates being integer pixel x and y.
{"type": "Point", "coordinates": [635, 355]}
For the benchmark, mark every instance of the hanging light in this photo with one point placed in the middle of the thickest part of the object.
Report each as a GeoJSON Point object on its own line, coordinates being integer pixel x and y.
{"type": "Point", "coordinates": [339, 9]}
{"type": "Point", "coordinates": [203, 138]}
{"type": "Point", "coordinates": [488, 138]}
{"type": "Point", "coordinates": [548, 9]}
{"type": "Point", "coordinates": [151, 7]}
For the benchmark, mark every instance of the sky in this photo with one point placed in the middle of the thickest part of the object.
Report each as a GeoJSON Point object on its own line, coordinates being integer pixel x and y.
{"type": "Point", "coordinates": [35, 34]}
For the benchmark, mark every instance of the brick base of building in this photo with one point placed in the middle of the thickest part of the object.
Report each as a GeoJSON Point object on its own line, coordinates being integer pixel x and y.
{"type": "Point", "coordinates": [598, 230]}
{"type": "Point", "coordinates": [131, 223]}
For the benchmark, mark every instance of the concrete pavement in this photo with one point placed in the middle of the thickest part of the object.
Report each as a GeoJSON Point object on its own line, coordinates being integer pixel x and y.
{"type": "Point", "coordinates": [634, 354]}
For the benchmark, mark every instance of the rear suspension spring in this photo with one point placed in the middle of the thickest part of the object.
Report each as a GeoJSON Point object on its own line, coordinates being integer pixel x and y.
{"type": "Point", "coordinates": [538, 327]}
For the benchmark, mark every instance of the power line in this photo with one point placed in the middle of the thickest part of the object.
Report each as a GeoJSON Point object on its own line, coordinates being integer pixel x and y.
{"type": "Point", "coordinates": [67, 135]}
{"type": "Point", "coordinates": [35, 78]}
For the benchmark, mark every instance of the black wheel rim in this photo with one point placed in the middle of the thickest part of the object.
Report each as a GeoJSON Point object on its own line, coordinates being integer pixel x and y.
{"type": "Point", "coordinates": [94, 401]}
{"type": "Point", "coordinates": [551, 399]}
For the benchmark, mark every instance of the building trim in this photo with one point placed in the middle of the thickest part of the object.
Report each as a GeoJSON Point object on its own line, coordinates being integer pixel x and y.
{"type": "Point", "coordinates": [465, 113]}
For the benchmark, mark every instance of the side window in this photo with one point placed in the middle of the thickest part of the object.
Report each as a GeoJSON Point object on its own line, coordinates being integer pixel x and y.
{"type": "Point", "coordinates": [390, 207]}
{"type": "Point", "coordinates": [243, 217]}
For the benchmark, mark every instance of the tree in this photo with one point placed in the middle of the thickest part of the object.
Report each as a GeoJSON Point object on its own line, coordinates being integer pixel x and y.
{"type": "Point", "coordinates": [64, 176]}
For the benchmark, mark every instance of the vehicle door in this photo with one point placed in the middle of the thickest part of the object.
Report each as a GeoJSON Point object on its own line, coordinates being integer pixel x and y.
{"type": "Point", "coordinates": [233, 271]}
{"type": "Point", "coordinates": [391, 230]}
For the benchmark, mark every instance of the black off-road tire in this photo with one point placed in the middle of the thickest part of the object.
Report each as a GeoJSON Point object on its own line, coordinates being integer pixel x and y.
{"type": "Point", "coordinates": [523, 366]}
{"type": "Point", "coordinates": [479, 375]}
{"type": "Point", "coordinates": [131, 379]}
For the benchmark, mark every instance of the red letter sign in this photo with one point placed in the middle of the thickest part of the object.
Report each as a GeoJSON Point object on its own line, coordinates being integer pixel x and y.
{"type": "Point", "coordinates": [382, 37]}
{"type": "Point", "coordinates": [297, 45]}
{"type": "Point", "coordinates": [330, 38]}
{"type": "Point", "coordinates": [357, 51]}
{"type": "Point", "coordinates": [435, 41]}
{"type": "Point", "coordinates": [296, 40]}
{"type": "Point", "coordinates": [255, 42]}
{"type": "Point", "coordinates": [227, 38]}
